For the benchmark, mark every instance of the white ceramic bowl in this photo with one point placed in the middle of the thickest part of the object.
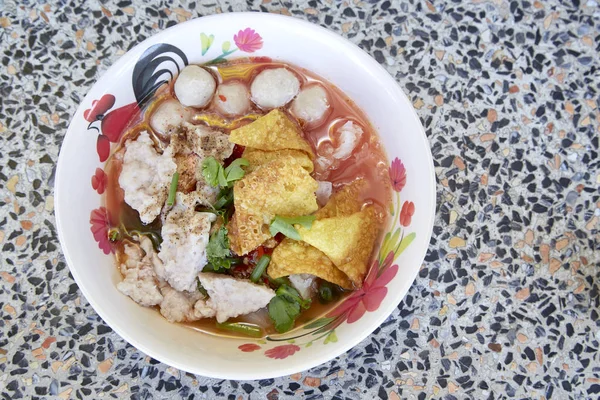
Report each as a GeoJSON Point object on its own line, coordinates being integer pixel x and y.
{"type": "Point", "coordinates": [282, 38]}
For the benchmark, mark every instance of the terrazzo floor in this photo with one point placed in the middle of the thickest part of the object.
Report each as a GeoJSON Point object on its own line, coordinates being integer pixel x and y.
{"type": "Point", "coordinates": [507, 303]}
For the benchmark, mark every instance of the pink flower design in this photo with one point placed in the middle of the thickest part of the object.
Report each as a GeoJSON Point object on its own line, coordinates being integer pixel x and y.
{"type": "Point", "coordinates": [248, 40]}
{"type": "Point", "coordinates": [408, 210]}
{"type": "Point", "coordinates": [248, 347]}
{"type": "Point", "coordinates": [283, 351]}
{"type": "Point", "coordinates": [99, 181]}
{"type": "Point", "coordinates": [397, 174]}
{"type": "Point", "coordinates": [99, 220]}
{"type": "Point", "coordinates": [370, 296]}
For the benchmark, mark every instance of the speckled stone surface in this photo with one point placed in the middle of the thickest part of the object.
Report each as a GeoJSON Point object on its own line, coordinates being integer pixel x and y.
{"type": "Point", "coordinates": [507, 304]}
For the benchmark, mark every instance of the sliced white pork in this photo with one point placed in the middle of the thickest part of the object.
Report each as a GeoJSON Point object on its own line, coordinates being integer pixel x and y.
{"type": "Point", "coordinates": [146, 176]}
{"type": "Point", "coordinates": [194, 86]}
{"type": "Point", "coordinates": [168, 114]}
{"type": "Point", "coordinates": [178, 306]}
{"type": "Point", "coordinates": [232, 99]}
{"type": "Point", "coordinates": [311, 104]}
{"type": "Point", "coordinates": [304, 284]}
{"type": "Point", "coordinates": [139, 278]}
{"type": "Point", "coordinates": [274, 88]}
{"type": "Point", "coordinates": [185, 234]}
{"type": "Point", "coordinates": [349, 136]}
{"type": "Point", "coordinates": [230, 297]}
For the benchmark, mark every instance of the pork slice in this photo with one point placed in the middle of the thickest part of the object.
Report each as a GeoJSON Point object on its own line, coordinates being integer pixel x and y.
{"type": "Point", "coordinates": [146, 176]}
{"type": "Point", "coordinates": [140, 281]}
{"type": "Point", "coordinates": [185, 234]}
{"type": "Point", "coordinates": [231, 297]}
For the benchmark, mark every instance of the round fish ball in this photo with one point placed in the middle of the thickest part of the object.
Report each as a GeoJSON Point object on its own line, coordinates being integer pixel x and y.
{"type": "Point", "coordinates": [168, 113]}
{"type": "Point", "coordinates": [195, 86]}
{"type": "Point", "coordinates": [274, 88]}
{"type": "Point", "coordinates": [311, 104]}
{"type": "Point", "coordinates": [232, 98]}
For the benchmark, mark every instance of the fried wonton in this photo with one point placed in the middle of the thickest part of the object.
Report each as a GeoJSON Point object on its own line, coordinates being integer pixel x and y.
{"type": "Point", "coordinates": [279, 187]}
{"type": "Point", "coordinates": [274, 131]}
{"type": "Point", "coordinates": [246, 232]}
{"type": "Point", "coordinates": [347, 240]}
{"type": "Point", "coordinates": [344, 202]}
{"type": "Point", "coordinates": [293, 257]}
{"type": "Point", "coordinates": [256, 158]}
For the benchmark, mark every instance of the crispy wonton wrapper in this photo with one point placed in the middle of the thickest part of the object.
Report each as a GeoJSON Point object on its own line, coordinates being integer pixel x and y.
{"type": "Point", "coordinates": [293, 257]}
{"type": "Point", "coordinates": [344, 202]}
{"type": "Point", "coordinates": [256, 158]}
{"type": "Point", "coordinates": [274, 131]}
{"type": "Point", "coordinates": [279, 187]}
{"type": "Point", "coordinates": [246, 232]}
{"type": "Point", "coordinates": [347, 241]}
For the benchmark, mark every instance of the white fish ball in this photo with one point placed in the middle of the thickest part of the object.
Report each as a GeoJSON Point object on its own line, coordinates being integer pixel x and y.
{"type": "Point", "coordinates": [168, 113]}
{"type": "Point", "coordinates": [195, 86]}
{"type": "Point", "coordinates": [311, 104]}
{"type": "Point", "coordinates": [274, 88]}
{"type": "Point", "coordinates": [232, 98]}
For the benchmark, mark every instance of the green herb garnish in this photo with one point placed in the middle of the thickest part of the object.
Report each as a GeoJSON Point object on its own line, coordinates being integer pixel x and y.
{"type": "Point", "coordinates": [285, 225]}
{"type": "Point", "coordinates": [240, 327]}
{"type": "Point", "coordinates": [224, 199]}
{"type": "Point", "coordinates": [260, 268]}
{"type": "Point", "coordinates": [173, 189]}
{"type": "Point", "coordinates": [285, 307]}
{"type": "Point", "coordinates": [234, 171]}
{"type": "Point", "coordinates": [217, 250]}
{"type": "Point", "coordinates": [210, 171]}
{"type": "Point", "coordinates": [216, 175]}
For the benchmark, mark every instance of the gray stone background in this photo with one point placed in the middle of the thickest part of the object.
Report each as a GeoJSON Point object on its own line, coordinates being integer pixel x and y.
{"type": "Point", "coordinates": [507, 302]}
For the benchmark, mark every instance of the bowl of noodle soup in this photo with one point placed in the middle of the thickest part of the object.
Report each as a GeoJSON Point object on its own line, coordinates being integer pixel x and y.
{"type": "Point", "coordinates": [245, 196]}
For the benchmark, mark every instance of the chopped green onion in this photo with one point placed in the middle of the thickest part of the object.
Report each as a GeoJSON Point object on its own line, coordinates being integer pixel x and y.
{"type": "Point", "coordinates": [240, 327]}
{"type": "Point", "coordinates": [224, 199]}
{"type": "Point", "coordinates": [305, 220]}
{"type": "Point", "coordinates": [173, 189]}
{"type": "Point", "coordinates": [260, 268]}
{"type": "Point", "coordinates": [325, 293]}
{"type": "Point", "coordinates": [285, 225]}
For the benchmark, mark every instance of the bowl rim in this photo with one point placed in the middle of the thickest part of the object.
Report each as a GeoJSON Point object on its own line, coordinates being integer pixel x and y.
{"type": "Point", "coordinates": [291, 365]}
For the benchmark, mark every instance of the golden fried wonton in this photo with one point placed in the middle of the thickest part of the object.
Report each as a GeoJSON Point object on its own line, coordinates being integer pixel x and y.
{"type": "Point", "coordinates": [257, 158]}
{"type": "Point", "coordinates": [344, 202]}
{"type": "Point", "coordinates": [293, 257]}
{"type": "Point", "coordinates": [246, 232]}
{"type": "Point", "coordinates": [274, 131]}
{"type": "Point", "coordinates": [279, 187]}
{"type": "Point", "coordinates": [346, 240]}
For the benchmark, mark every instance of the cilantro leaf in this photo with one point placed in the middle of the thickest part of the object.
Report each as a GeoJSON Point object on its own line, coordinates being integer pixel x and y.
{"type": "Point", "coordinates": [292, 294]}
{"type": "Point", "coordinates": [217, 250]}
{"type": "Point", "coordinates": [221, 177]}
{"type": "Point", "coordinates": [285, 307]}
{"type": "Point", "coordinates": [216, 175]}
{"type": "Point", "coordinates": [284, 225]}
{"type": "Point", "coordinates": [210, 170]}
{"type": "Point", "coordinates": [234, 171]}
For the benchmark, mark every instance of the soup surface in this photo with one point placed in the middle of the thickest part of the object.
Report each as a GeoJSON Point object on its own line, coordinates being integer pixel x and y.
{"type": "Point", "coordinates": [247, 199]}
